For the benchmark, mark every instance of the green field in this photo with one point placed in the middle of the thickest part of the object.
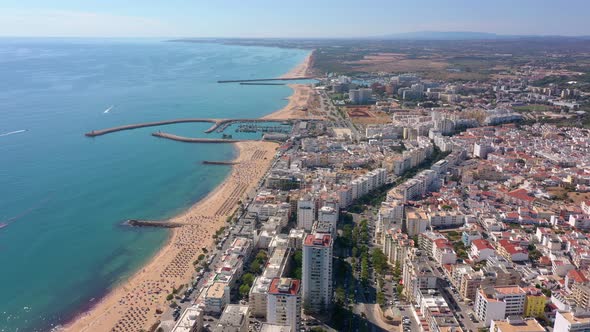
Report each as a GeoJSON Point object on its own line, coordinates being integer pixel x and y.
{"type": "Point", "coordinates": [534, 108]}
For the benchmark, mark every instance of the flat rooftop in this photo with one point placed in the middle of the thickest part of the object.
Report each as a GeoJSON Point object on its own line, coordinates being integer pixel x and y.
{"type": "Point", "coordinates": [318, 240]}
{"type": "Point", "coordinates": [284, 286]}
{"type": "Point", "coordinates": [216, 290]}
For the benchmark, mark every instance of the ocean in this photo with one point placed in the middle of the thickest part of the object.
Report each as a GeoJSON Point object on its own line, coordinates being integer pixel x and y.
{"type": "Point", "coordinates": [63, 196]}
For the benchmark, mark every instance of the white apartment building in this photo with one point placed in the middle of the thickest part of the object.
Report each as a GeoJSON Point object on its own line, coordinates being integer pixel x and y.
{"type": "Point", "coordinates": [329, 215]}
{"type": "Point", "coordinates": [317, 271]}
{"type": "Point", "coordinates": [495, 303]}
{"type": "Point", "coordinates": [235, 318]}
{"type": "Point", "coordinates": [284, 303]}
{"type": "Point", "coordinates": [191, 320]}
{"type": "Point", "coordinates": [216, 297]}
{"type": "Point", "coordinates": [446, 219]}
{"type": "Point", "coordinates": [566, 321]}
{"type": "Point", "coordinates": [258, 297]}
{"type": "Point", "coordinates": [416, 221]}
{"type": "Point", "coordinates": [396, 246]}
{"type": "Point", "coordinates": [306, 212]}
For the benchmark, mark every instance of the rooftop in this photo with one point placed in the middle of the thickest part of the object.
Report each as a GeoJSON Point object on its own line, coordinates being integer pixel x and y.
{"type": "Point", "coordinates": [318, 239]}
{"type": "Point", "coordinates": [216, 290]}
{"type": "Point", "coordinates": [284, 286]}
{"type": "Point", "coordinates": [187, 320]}
{"type": "Point", "coordinates": [234, 315]}
{"type": "Point", "coordinates": [519, 325]}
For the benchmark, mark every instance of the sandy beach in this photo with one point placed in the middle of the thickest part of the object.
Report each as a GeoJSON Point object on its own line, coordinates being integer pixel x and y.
{"type": "Point", "coordinates": [298, 105]}
{"type": "Point", "coordinates": [133, 305]}
{"type": "Point", "coordinates": [303, 100]}
{"type": "Point", "coordinates": [301, 70]}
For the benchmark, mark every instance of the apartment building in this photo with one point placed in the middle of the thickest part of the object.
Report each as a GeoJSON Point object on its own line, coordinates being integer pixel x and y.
{"type": "Point", "coordinates": [284, 303]}
{"type": "Point", "coordinates": [499, 302]}
{"type": "Point", "coordinates": [317, 272]}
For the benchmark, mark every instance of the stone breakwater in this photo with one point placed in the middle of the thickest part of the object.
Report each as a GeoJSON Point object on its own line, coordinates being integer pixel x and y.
{"type": "Point", "coordinates": [196, 140]}
{"type": "Point", "coordinates": [217, 123]}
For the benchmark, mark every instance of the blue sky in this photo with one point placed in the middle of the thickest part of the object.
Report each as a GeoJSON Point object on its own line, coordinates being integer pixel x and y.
{"type": "Point", "coordinates": [288, 18]}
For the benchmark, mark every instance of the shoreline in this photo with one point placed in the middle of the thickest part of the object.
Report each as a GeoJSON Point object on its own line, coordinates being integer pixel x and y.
{"type": "Point", "coordinates": [145, 291]}
{"type": "Point", "coordinates": [301, 100]}
{"type": "Point", "coordinates": [133, 303]}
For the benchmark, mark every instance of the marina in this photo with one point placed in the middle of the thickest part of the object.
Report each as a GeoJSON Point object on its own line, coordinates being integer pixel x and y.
{"type": "Point", "coordinates": [253, 128]}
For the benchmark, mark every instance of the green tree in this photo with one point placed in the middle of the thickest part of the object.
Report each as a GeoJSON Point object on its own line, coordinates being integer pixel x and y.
{"type": "Point", "coordinates": [255, 267]}
{"type": "Point", "coordinates": [379, 261]}
{"type": "Point", "coordinates": [380, 298]}
{"type": "Point", "coordinates": [340, 295]}
{"type": "Point", "coordinates": [261, 256]}
{"type": "Point", "coordinates": [248, 279]}
{"type": "Point", "coordinates": [244, 291]}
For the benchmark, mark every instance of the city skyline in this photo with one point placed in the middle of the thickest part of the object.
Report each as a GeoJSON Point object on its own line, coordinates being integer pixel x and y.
{"type": "Point", "coordinates": [304, 19]}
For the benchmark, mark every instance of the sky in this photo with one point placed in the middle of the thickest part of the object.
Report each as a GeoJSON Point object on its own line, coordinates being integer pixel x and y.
{"type": "Point", "coordinates": [288, 18]}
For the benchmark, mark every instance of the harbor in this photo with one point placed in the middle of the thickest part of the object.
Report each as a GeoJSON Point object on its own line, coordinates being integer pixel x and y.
{"type": "Point", "coordinates": [219, 125]}
{"type": "Point", "coordinates": [253, 128]}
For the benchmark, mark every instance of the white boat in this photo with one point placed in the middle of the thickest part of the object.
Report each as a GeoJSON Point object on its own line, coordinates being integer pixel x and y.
{"type": "Point", "coordinates": [108, 109]}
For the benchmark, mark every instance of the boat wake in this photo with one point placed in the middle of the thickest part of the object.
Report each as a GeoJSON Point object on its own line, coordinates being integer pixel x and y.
{"type": "Point", "coordinates": [7, 222]}
{"type": "Point", "coordinates": [108, 109]}
{"type": "Point", "coordinates": [13, 132]}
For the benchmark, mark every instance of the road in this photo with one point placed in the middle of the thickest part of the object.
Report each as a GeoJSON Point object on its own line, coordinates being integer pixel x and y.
{"type": "Point", "coordinates": [460, 309]}
{"type": "Point", "coordinates": [217, 253]}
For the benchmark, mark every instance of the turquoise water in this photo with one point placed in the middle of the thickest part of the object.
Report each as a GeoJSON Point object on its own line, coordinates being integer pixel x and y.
{"type": "Point", "coordinates": [64, 196]}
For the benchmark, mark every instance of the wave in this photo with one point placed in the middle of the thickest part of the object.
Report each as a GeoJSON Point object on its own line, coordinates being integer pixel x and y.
{"type": "Point", "coordinates": [13, 132]}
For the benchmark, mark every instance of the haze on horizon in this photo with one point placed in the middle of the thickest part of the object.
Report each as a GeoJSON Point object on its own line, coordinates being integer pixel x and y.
{"type": "Point", "coordinates": [289, 19]}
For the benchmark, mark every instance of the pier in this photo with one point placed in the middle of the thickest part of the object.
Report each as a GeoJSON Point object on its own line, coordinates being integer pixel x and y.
{"type": "Point", "coordinates": [218, 124]}
{"type": "Point", "coordinates": [261, 83]}
{"type": "Point", "coordinates": [211, 162]}
{"type": "Point", "coordinates": [196, 140]}
{"type": "Point", "coordinates": [269, 79]}
{"type": "Point", "coordinates": [150, 223]}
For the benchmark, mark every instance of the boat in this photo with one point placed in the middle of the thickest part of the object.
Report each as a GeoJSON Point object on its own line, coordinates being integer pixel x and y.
{"type": "Point", "coordinates": [2, 225]}
{"type": "Point", "coordinates": [108, 109]}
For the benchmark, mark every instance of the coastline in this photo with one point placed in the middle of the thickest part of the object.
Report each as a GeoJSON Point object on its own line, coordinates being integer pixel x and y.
{"type": "Point", "coordinates": [302, 99]}
{"type": "Point", "coordinates": [133, 304]}
{"type": "Point", "coordinates": [136, 300]}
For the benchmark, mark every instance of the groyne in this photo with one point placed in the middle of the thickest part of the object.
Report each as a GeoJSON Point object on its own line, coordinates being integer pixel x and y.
{"type": "Point", "coordinates": [217, 123]}
{"type": "Point", "coordinates": [269, 79]}
{"type": "Point", "coordinates": [195, 140]}
{"type": "Point", "coordinates": [150, 223]}
{"type": "Point", "coordinates": [261, 83]}
{"type": "Point", "coordinates": [212, 162]}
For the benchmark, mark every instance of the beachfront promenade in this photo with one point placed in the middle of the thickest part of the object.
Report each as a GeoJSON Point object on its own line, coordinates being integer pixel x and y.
{"type": "Point", "coordinates": [217, 123]}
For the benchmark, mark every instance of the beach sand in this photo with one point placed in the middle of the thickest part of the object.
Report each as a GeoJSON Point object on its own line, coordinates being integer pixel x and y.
{"type": "Point", "coordinates": [301, 70]}
{"type": "Point", "coordinates": [298, 106]}
{"type": "Point", "coordinates": [302, 101]}
{"type": "Point", "coordinates": [133, 305]}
